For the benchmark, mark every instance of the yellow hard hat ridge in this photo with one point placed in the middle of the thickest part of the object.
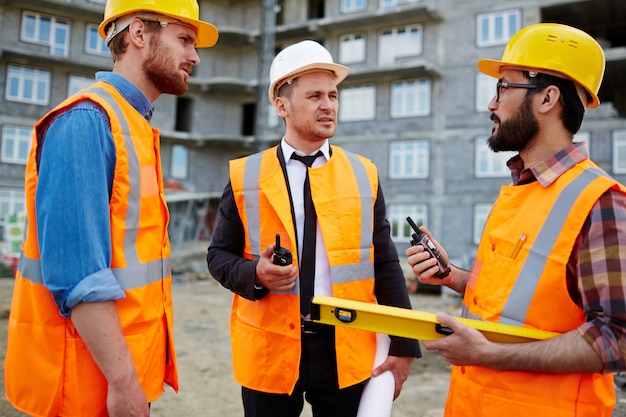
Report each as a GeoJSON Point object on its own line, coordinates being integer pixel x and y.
{"type": "Point", "coordinates": [554, 49]}
{"type": "Point", "coordinates": [187, 11]}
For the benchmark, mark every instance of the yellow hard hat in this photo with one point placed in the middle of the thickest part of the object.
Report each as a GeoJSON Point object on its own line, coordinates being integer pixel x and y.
{"type": "Point", "coordinates": [554, 49]}
{"type": "Point", "coordinates": [186, 11]}
{"type": "Point", "coordinates": [301, 57]}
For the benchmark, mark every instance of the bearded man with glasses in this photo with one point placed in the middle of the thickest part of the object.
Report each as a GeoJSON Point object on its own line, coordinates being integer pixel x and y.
{"type": "Point", "coordinates": [553, 251]}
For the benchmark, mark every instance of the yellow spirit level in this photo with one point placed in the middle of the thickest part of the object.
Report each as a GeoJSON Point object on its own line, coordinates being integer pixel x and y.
{"type": "Point", "coordinates": [412, 324]}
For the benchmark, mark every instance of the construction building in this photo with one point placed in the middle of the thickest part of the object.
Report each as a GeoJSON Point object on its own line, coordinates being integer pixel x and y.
{"type": "Point", "coordinates": [414, 102]}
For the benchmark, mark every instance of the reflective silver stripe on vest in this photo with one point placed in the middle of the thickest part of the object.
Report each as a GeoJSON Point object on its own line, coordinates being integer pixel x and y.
{"type": "Point", "coordinates": [135, 274]}
{"type": "Point", "coordinates": [518, 303]}
{"type": "Point", "coordinates": [365, 268]}
{"type": "Point", "coordinates": [339, 273]}
{"type": "Point", "coordinates": [251, 193]}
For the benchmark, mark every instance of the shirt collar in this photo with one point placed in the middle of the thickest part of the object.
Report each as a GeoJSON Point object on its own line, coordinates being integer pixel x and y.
{"type": "Point", "coordinates": [288, 150]}
{"type": "Point", "coordinates": [546, 172]}
{"type": "Point", "coordinates": [129, 91]}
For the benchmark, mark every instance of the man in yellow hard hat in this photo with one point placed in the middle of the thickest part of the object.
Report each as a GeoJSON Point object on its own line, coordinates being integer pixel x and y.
{"type": "Point", "coordinates": [553, 251]}
{"type": "Point", "coordinates": [328, 207]}
{"type": "Point", "coordinates": [90, 330]}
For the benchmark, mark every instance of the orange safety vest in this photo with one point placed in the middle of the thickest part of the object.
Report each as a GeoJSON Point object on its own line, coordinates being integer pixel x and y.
{"type": "Point", "coordinates": [529, 289]}
{"type": "Point", "coordinates": [48, 369]}
{"type": "Point", "coordinates": [265, 333]}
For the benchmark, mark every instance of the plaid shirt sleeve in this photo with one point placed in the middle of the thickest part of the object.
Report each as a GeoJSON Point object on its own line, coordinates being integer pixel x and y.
{"type": "Point", "coordinates": [598, 270]}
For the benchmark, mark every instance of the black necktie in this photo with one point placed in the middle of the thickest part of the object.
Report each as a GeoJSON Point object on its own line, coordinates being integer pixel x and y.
{"type": "Point", "coordinates": [307, 263]}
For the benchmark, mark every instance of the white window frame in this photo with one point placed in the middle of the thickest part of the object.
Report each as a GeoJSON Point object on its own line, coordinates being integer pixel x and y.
{"type": "Point", "coordinates": [357, 103]}
{"type": "Point", "coordinates": [409, 159]}
{"type": "Point", "coordinates": [16, 142]}
{"type": "Point", "coordinates": [399, 42]}
{"type": "Point", "coordinates": [352, 48]}
{"type": "Point", "coordinates": [481, 212]}
{"type": "Point", "coordinates": [496, 28]}
{"type": "Point", "coordinates": [410, 98]}
{"type": "Point", "coordinates": [58, 28]}
{"type": "Point", "coordinates": [272, 116]}
{"type": "Point", "coordinates": [179, 162]}
{"type": "Point", "coordinates": [485, 91]}
{"type": "Point", "coordinates": [33, 85]}
{"type": "Point", "coordinates": [390, 4]}
{"type": "Point", "coordinates": [92, 37]}
{"type": "Point", "coordinates": [351, 6]}
{"type": "Point", "coordinates": [12, 201]}
{"type": "Point", "coordinates": [397, 214]}
{"type": "Point", "coordinates": [489, 164]}
{"type": "Point", "coordinates": [77, 83]}
{"type": "Point", "coordinates": [619, 151]}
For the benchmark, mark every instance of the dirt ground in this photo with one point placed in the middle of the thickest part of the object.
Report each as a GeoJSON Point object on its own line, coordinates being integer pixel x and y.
{"type": "Point", "coordinates": [207, 388]}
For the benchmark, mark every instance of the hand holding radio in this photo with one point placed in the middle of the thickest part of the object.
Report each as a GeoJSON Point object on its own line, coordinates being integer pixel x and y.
{"type": "Point", "coordinates": [282, 256]}
{"type": "Point", "coordinates": [420, 238]}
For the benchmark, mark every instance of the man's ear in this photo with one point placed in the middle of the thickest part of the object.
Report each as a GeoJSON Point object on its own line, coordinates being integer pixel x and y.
{"type": "Point", "coordinates": [136, 32]}
{"type": "Point", "coordinates": [282, 106]}
{"type": "Point", "coordinates": [550, 96]}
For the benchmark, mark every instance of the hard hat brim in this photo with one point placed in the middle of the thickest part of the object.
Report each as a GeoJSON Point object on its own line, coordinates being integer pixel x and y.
{"type": "Point", "coordinates": [490, 67]}
{"type": "Point", "coordinates": [340, 71]}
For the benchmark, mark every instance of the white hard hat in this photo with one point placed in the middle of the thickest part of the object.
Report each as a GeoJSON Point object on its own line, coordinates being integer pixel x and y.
{"type": "Point", "coordinates": [298, 58]}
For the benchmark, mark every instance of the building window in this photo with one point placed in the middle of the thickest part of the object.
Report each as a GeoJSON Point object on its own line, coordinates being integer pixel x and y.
{"type": "Point", "coordinates": [619, 152]}
{"type": "Point", "coordinates": [11, 202]}
{"type": "Point", "coordinates": [94, 44]}
{"type": "Point", "coordinates": [352, 48]}
{"type": "Point", "coordinates": [46, 30]}
{"type": "Point", "coordinates": [409, 159]}
{"type": "Point", "coordinates": [357, 103]}
{"type": "Point", "coordinates": [481, 212]}
{"type": "Point", "coordinates": [184, 114]}
{"type": "Point", "coordinates": [180, 163]}
{"type": "Point", "coordinates": [390, 4]}
{"type": "Point", "coordinates": [489, 164]}
{"type": "Point", "coordinates": [485, 91]}
{"type": "Point", "coordinates": [28, 85]}
{"type": "Point", "coordinates": [348, 6]}
{"type": "Point", "coordinates": [497, 28]}
{"type": "Point", "coordinates": [316, 9]}
{"type": "Point", "coordinates": [397, 214]}
{"type": "Point", "coordinates": [248, 113]}
{"type": "Point", "coordinates": [399, 42]}
{"type": "Point", "coordinates": [272, 117]}
{"type": "Point", "coordinates": [15, 144]}
{"type": "Point", "coordinates": [410, 98]}
{"type": "Point", "coordinates": [77, 83]}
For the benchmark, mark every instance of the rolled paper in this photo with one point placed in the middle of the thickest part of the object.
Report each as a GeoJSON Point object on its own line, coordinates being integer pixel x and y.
{"type": "Point", "coordinates": [377, 397]}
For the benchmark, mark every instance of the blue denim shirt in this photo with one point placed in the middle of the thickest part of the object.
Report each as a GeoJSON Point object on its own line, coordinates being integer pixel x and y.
{"type": "Point", "coordinates": [72, 201]}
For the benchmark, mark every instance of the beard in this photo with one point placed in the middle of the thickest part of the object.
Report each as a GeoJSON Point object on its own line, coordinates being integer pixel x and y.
{"type": "Point", "coordinates": [516, 133]}
{"type": "Point", "coordinates": [162, 71]}
{"type": "Point", "coordinates": [307, 127]}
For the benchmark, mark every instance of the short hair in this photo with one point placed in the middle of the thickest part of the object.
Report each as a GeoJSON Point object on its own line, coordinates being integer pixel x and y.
{"type": "Point", "coordinates": [286, 89]}
{"type": "Point", "coordinates": [573, 111]}
{"type": "Point", "coordinates": [118, 44]}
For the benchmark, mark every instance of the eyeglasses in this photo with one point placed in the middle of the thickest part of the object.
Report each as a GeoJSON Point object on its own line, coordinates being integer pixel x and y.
{"type": "Point", "coordinates": [500, 85]}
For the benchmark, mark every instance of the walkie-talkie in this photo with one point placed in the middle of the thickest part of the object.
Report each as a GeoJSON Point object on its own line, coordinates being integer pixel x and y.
{"type": "Point", "coordinates": [282, 256]}
{"type": "Point", "coordinates": [420, 238]}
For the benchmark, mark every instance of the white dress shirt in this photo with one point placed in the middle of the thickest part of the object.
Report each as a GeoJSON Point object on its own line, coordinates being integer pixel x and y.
{"type": "Point", "coordinates": [296, 172]}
